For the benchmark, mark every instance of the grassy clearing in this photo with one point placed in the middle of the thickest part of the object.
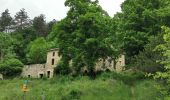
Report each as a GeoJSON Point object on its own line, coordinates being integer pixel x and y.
{"type": "Point", "coordinates": [79, 88]}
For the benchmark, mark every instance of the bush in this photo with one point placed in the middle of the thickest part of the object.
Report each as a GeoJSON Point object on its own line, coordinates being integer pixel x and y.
{"type": "Point", "coordinates": [129, 77]}
{"type": "Point", "coordinates": [73, 95]}
{"type": "Point", "coordinates": [126, 77]}
{"type": "Point", "coordinates": [62, 68]}
{"type": "Point", "coordinates": [11, 67]}
{"type": "Point", "coordinates": [146, 60]}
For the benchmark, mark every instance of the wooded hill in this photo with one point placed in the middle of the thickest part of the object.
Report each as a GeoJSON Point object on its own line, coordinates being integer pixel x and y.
{"type": "Point", "coordinates": [87, 33]}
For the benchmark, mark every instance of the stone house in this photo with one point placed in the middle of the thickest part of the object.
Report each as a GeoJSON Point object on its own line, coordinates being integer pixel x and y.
{"type": "Point", "coordinates": [47, 69]}
{"type": "Point", "coordinates": [42, 70]}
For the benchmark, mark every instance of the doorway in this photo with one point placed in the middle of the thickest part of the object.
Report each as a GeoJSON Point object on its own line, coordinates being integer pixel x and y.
{"type": "Point", "coordinates": [48, 74]}
{"type": "Point", "coordinates": [41, 75]}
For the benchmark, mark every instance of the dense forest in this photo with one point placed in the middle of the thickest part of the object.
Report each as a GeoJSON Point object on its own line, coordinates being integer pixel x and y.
{"type": "Point", "coordinates": [140, 31]}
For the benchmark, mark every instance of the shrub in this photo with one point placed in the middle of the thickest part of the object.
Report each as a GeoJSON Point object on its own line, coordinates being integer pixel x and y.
{"type": "Point", "coordinates": [11, 67]}
{"type": "Point", "coordinates": [73, 95]}
{"type": "Point", "coordinates": [62, 68]}
{"type": "Point", "coordinates": [129, 77]}
{"type": "Point", "coordinates": [126, 77]}
{"type": "Point", "coordinates": [146, 60]}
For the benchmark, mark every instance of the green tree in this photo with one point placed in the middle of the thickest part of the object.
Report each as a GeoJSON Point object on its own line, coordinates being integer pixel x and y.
{"type": "Point", "coordinates": [21, 39]}
{"type": "Point", "coordinates": [11, 67]}
{"type": "Point", "coordinates": [21, 19]}
{"type": "Point", "coordinates": [82, 35]}
{"type": "Point", "coordinates": [5, 45]}
{"type": "Point", "coordinates": [139, 20]}
{"type": "Point", "coordinates": [146, 59]}
{"type": "Point", "coordinates": [5, 20]}
{"type": "Point", "coordinates": [40, 25]}
{"type": "Point", "coordinates": [165, 61]}
{"type": "Point", "coordinates": [50, 25]}
{"type": "Point", "coordinates": [37, 51]}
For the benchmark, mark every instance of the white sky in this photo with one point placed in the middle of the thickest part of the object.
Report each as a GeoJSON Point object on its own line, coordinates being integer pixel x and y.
{"type": "Point", "coordinates": [53, 9]}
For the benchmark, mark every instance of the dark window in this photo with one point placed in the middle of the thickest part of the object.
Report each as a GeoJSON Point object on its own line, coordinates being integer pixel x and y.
{"type": "Point", "coordinates": [120, 62]}
{"type": "Point", "coordinates": [53, 53]}
{"type": "Point", "coordinates": [52, 62]}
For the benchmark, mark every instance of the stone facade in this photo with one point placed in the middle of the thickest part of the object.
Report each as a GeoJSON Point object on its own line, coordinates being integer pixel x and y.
{"type": "Point", "coordinates": [42, 70]}
{"type": "Point", "coordinates": [52, 58]}
{"type": "Point", "coordinates": [1, 77]}
{"type": "Point", "coordinates": [47, 70]}
{"type": "Point", "coordinates": [37, 71]}
{"type": "Point", "coordinates": [109, 64]}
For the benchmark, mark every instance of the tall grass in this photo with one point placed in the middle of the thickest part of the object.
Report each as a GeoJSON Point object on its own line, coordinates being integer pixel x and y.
{"type": "Point", "coordinates": [78, 88]}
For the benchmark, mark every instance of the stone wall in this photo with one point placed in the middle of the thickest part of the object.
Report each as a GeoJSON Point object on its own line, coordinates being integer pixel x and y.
{"type": "Point", "coordinates": [52, 55]}
{"type": "Point", "coordinates": [1, 77]}
{"type": "Point", "coordinates": [120, 63]}
{"type": "Point", "coordinates": [42, 70]}
{"type": "Point", "coordinates": [108, 64]}
{"type": "Point", "coordinates": [37, 71]}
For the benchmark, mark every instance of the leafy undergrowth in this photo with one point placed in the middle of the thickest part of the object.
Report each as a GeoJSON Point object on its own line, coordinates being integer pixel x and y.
{"type": "Point", "coordinates": [79, 88]}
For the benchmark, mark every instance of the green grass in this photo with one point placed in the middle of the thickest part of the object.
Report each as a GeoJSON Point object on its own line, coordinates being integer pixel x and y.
{"type": "Point", "coordinates": [79, 88]}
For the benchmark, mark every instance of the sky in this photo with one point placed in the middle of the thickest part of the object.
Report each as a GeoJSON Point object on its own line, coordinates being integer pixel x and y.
{"type": "Point", "coordinates": [52, 9]}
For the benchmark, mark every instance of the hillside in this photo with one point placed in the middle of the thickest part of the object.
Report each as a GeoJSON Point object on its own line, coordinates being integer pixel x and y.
{"type": "Point", "coordinates": [87, 54]}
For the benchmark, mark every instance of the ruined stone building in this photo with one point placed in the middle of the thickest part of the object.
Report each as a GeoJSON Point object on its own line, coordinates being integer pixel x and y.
{"type": "Point", "coordinates": [42, 70]}
{"type": "Point", "coordinates": [109, 64]}
{"type": "Point", "coordinates": [47, 70]}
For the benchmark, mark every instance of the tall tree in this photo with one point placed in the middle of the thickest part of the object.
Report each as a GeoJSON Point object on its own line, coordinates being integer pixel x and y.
{"type": "Point", "coordinates": [37, 51]}
{"type": "Point", "coordinates": [21, 19]}
{"type": "Point", "coordinates": [82, 35]}
{"type": "Point", "coordinates": [165, 61]}
{"type": "Point", "coordinates": [40, 25]}
{"type": "Point", "coordinates": [21, 40]}
{"type": "Point", "coordinates": [50, 25]}
{"type": "Point", "coordinates": [5, 45]}
{"type": "Point", "coordinates": [139, 20]}
{"type": "Point", "coordinates": [5, 20]}
{"type": "Point", "coordinates": [146, 59]}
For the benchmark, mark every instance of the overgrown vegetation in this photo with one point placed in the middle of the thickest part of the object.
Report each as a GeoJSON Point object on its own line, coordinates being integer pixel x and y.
{"type": "Point", "coordinates": [80, 88]}
{"type": "Point", "coordinates": [165, 50]}
{"type": "Point", "coordinates": [83, 36]}
{"type": "Point", "coordinates": [11, 67]}
{"type": "Point", "coordinates": [86, 35]}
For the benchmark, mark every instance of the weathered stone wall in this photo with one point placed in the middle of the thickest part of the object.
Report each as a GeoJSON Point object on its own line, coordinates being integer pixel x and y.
{"type": "Point", "coordinates": [1, 77]}
{"type": "Point", "coordinates": [120, 63]}
{"type": "Point", "coordinates": [37, 71]}
{"type": "Point", "coordinates": [33, 71]}
{"type": "Point", "coordinates": [45, 70]}
{"type": "Point", "coordinates": [108, 64]}
{"type": "Point", "coordinates": [52, 54]}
